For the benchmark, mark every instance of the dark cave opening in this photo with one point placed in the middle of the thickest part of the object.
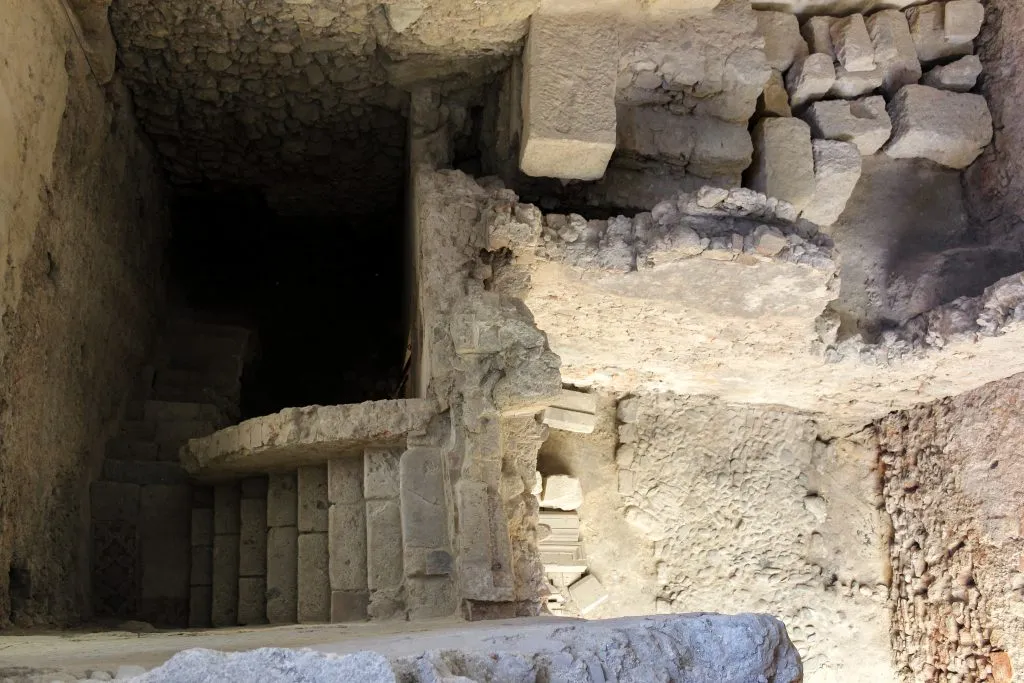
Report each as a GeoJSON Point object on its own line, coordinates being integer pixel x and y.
{"type": "Point", "coordinates": [325, 295]}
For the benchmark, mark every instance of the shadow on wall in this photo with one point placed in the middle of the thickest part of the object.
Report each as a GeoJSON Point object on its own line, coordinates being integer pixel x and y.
{"type": "Point", "coordinates": [325, 295]}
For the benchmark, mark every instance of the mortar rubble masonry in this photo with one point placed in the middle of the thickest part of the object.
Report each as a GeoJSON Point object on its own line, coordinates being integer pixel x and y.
{"type": "Point", "coordinates": [810, 79]}
{"type": "Point", "coordinates": [959, 76]}
{"type": "Point", "coordinates": [817, 31]}
{"type": "Point", "coordinates": [852, 44]}
{"type": "Point", "coordinates": [837, 168]}
{"type": "Point", "coordinates": [949, 128]}
{"type": "Point", "coordinates": [895, 53]}
{"type": "Point", "coordinates": [863, 122]}
{"type": "Point", "coordinates": [783, 163]}
{"type": "Point", "coordinates": [783, 43]}
{"type": "Point", "coordinates": [928, 30]}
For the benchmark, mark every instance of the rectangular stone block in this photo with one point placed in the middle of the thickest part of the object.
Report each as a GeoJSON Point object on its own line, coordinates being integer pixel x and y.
{"type": "Point", "coordinates": [568, 98]}
{"type": "Point", "coordinates": [224, 611]}
{"type": "Point", "coordinates": [254, 487]}
{"type": "Point", "coordinates": [349, 606]}
{"type": "Point", "coordinates": [817, 31]}
{"type": "Point", "coordinates": [895, 53]}
{"type": "Point", "coordinates": [783, 163]}
{"type": "Point", "coordinates": [165, 511]}
{"type": "Point", "coordinates": [225, 508]}
{"type": "Point", "coordinates": [863, 122]}
{"type": "Point", "coordinates": [199, 605]}
{"type": "Point", "coordinates": [380, 472]}
{"type": "Point", "coordinates": [165, 567]}
{"type": "Point", "coordinates": [810, 79]}
{"type": "Point", "coordinates": [345, 480]}
{"type": "Point", "coordinates": [423, 505]}
{"type": "Point", "coordinates": [113, 501]}
{"type": "Point", "coordinates": [313, 501]}
{"type": "Point", "coordinates": [252, 554]}
{"type": "Point", "coordinates": [484, 552]}
{"type": "Point", "coordinates": [948, 128]}
{"type": "Point", "coordinates": [588, 593]}
{"type": "Point", "coordinates": [580, 401]}
{"type": "Point", "coordinates": [252, 601]}
{"type": "Point", "coordinates": [348, 547]}
{"type": "Point", "coordinates": [202, 565]}
{"type": "Point", "coordinates": [783, 43]}
{"type": "Point", "coordinates": [282, 500]}
{"type": "Point", "coordinates": [314, 603]}
{"type": "Point", "coordinates": [430, 597]}
{"type": "Point", "coordinates": [202, 526]}
{"type": "Point", "coordinates": [837, 168]}
{"type": "Point", "coordinates": [383, 544]}
{"type": "Point", "coordinates": [928, 30]}
{"type": "Point", "coordinates": [570, 420]}
{"type": "Point", "coordinates": [852, 44]}
{"type": "Point", "coordinates": [282, 574]}
{"type": "Point", "coordinates": [962, 20]}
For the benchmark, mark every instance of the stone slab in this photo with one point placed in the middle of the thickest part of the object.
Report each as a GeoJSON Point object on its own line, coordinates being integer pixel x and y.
{"type": "Point", "coordinates": [948, 128]}
{"type": "Point", "coordinates": [202, 526]}
{"type": "Point", "coordinates": [588, 593]}
{"type": "Point", "coordinates": [166, 567]}
{"type": "Point", "coordinates": [928, 30]}
{"type": "Point", "coordinates": [199, 605]}
{"type": "Point", "coordinates": [165, 511]}
{"type": "Point", "coordinates": [561, 492]}
{"type": "Point", "coordinates": [783, 43]}
{"type": "Point", "coordinates": [226, 519]}
{"type": "Point", "coordinates": [314, 594]}
{"type": "Point", "coordinates": [569, 420]}
{"type": "Point", "coordinates": [113, 501]}
{"type": "Point", "coordinates": [312, 498]}
{"type": "Point", "coordinates": [837, 168]}
{"type": "Point", "coordinates": [255, 487]}
{"type": "Point", "coordinates": [810, 79]}
{"type": "Point", "coordinates": [202, 566]}
{"type": "Point", "coordinates": [349, 606]}
{"type": "Point", "coordinates": [852, 43]}
{"type": "Point", "coordinates": [895, 53]}
{"type": "Point", "coordinates": [224, 611]}
{"type": "Point", "coordinates": [348, 538]}
{"type": "Point", "coordinates": [252, 601]}
{"type": "Point", "coordinates": [783, 164]}
{"type": "Point", "coordinates": [252, 554]}
{"type": "Point", "coordinates": [424, 513]}
{"type": "Point", "coordinates": [864, 122]}
{"type": "Point", "coordinates": [962, 20]}
{"type": "Point", "coordinates": [345, 480]}
{"type": "Point", "coordinates": [580, 401]}
{"type": "Point", "coordinates": [430, 597]}
{"type": "Point", "coordinates": [380, 473]}
{"type": "Point", "coordinates": [853, 84]}
{"type": "Point", "coordinates": [817, 31]}
{"type": "Point", "coordinates": [282, 500]}
{"type": "Point", "coordinates": [383, 544]}
{"type": "Point", "coordinates": [282, 575]}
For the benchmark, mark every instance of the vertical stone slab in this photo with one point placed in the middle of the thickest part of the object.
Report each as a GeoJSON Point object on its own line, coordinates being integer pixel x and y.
{"type": "Point", "coordinates": [165, 527]}
{"type": "Point", "coordinates": [348, 547]}
{"type": "Point", "coordinates": [115, 577]}
{"type": "Point", "coordinates": [423, 508]}
{"type": "Point", "coordinates": [380, 473]}
{"type": "Point", "coordinates": [201, 574]}
{"type": "Point", "coordinates": [783, 161]}
{"type": "Point", "coordinates": [312, 499]}
{"type": "Point", "coordinates": [345, 480]}
{"type": "Point", "coordinates": [282, 500]}
{"type": "Point", "coordinates": [282, 575]}
{"type": "Point", "coordinates": [314, 600]}
{"type": "Point", "coordinates": [226, 529]}
{"type": "Point", "coordinates": [252, 600]}
{"type": "Point", "coordinates": [384, 548]}
{"type": "Point", "coordinates": [253, 543]}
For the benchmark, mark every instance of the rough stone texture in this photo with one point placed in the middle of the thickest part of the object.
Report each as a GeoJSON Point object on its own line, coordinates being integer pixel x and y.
{"type": "Point", "coordinates": [949, 128]}
{"type": "Point", "coordinates": [282, 500]}
{"type": "Point", "coordinates": [383, 544]}
{"type": "Point", "coordinates": [834, 7]}
{"type": "Point", "coordinates": [928, 30]}
{"type": "Point", "coordinates": [348, 545]}
{"type": "Point", "coordinates": [837, 168]}
{"type": "Point", "coordinates": [810, 79]}
{"type": "Point", "coordinates": [783, 43]}
{"type": "Point", "coordinates": [349, 606]}
{"type": "Point", "coordinates": [774, 101]}
{"type": "Point", "coordinates": [282, 574]}
{"type": "Point", "coordinates": [312, 499]}
{"type": "Point", "coordinates": [561, 492]}
{"type": "Point", "coordinates": [962, 20]}
{"type": "Point", "coordinates": [424, 517]}
{"type": "Point", "coordinates": [817, 31]}
{"type": "Point", "coordinates": [78, 187]}
{"type": "Point", "coordinates": [380, 473]}
{"type": "Point", "coordinates": [314, 586]}
{"type": "Point", "coordinates": [252, 600]}
{"type": "Point", "coordinates": [852, 44]}
{"type": "Point", "coordinates": [783, 164]}
{"type": "Point", "coordinates": [853, 84]}
{"type": "Point", "coordinates": [345, 480]}
{"type": "Point", "coordinates": [252, 559]}
{"type": "Point", "coordinates": [303, 436]}
{"type": "Point", "coordinates": [954, 487]}
{"type": "Point", "coordinates": [958, 76]}
{"type": "Point", "coordinates": [895, 52]}
{"type": "Point", "coordinates": [863, 122]}
{"type": "Point", "coordinates": [224, 610]}
{"type": "Point", "coordinates": [568, 97]}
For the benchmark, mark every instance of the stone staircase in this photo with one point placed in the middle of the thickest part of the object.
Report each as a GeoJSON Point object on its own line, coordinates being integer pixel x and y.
{"type": "Point", "coordinates": [141, 505]}
{"type": "Point", "coordinates": [365, 536]}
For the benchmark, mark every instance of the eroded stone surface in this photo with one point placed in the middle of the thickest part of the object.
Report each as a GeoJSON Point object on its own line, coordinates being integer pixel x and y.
{"type": "Point", "coordinates": [783, 165]}
{"type": "Point", "coordinates": [837, 168]}
{"type": "Point", "coordinates": [783, 43]}
{"type": "Point", "coordinates": [946, 127]}
{"type": "Point", "coordinates": [958, 76]}
{"type": "Point", "coordinates": [863, 122]}
{"type": "Point", "coordinates": [810, 79]}
{"type": "Point", "coordinates": [895, 52]}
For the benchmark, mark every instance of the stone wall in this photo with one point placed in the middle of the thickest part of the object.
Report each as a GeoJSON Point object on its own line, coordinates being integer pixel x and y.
{"type": "Point", "coordinates": [954, 486]}
{"type": "Point", "coordinates": [81, 229]}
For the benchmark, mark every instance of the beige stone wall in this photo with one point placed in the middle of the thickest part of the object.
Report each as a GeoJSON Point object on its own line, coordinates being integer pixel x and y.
{"type": "Point", "coordinates": [81, 232]}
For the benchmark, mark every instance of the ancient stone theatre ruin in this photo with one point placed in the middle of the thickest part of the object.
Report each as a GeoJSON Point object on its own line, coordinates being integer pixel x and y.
{"type": "Point", "coordinates": [512, 340]}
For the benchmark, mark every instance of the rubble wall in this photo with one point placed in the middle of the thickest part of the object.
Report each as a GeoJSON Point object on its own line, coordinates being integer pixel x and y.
{"type": "Point", "coordinates": [954, 486]}
{"type": "Point", "coordinates": [81, 227]}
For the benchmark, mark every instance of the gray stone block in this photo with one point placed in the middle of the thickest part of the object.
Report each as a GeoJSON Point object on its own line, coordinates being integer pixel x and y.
{"type": "Point", "coordinates": [202, 526]}
{"type": "Point", "coordinates": [254, 487]}
{"type": "Point", "coordinates": [313, 502]}
{"type": "Point", "coordinates": [165, 511]}
{"type": "Point", "coordinates": [113, 501]}
{"type": "Point", "coordinates": [200, 604]}
{"type": "Point", "coordinates": [783, 162]}
{"type": "Point", "coordinates": [252, 557]}
{"type": "Point", "coordinates": [202, 565]}
{"type": "Point", "coordinates": [946, 127]}
{"type": "Point", "coordinates": [349, 606]}
{"type": "Point", "coordinates": [282, 500]}
{"type": "Point", "coordinates": [430, 597]}
{"type": "Point", "coordinates": [282, 574]}
{"type": "Point", "coordinates": [424, 513]}
{"type": "Point", "coordinates": [224, 611]}
{"type": "Point", "coordinates": [166, 567]}
{"type": "Point", "coordinates": [226, 519]}
{"type": "Point", "coordinates": [345, 480]}
{"type": "Point", "coordinates": [314, 603]}
{"type": "Point", "coordinates": [386, 605]}
{"type": "Point", "coordinates": [383, 544]}
{"type": "Point", "coordinates": [348, 547]}
{"type": "Point", "coordinates": [252, 600]}
{"type": "Point", "coordinates": [380, 472]}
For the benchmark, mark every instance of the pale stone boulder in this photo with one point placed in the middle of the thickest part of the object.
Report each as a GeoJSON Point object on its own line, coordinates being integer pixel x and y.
{"type": "Point", "coordinates": [783, 43]}
{"type": "Point", "coordinates": [783, 162]}
{"type": "Point", "coordinates": [863, 122]}
{"type": "Point", "coordinates": [837, 168]}
{"type": "Point", "coordinates": [852, 84]}
{"type": "Point", "coordinates": [852, 43]}
{"type": "Point", "coordinates": [895, 53]}
{"type": "Point", "coordinates": [928, 30]}
{"type": "Point", "coordinates": [568, 98]}
{"type": "Point", "coordinates": [817, 31]}
{"type": "Point", "coordinates": [810, 79]}
{"type": "Point", "coordinates": [949, 128]}
{"type": "Point", "coordinates": [774, 101]}
{"type": "Point", "coordinates": [562, 492]}
{"type": "Point", "coordinates": [959, 76]}
{"type": "Point", "coordinates": [962, 20]}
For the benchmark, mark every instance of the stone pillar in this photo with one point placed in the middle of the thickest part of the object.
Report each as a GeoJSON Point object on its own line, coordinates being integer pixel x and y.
{"type": "Point", "coordinates": [282, 549]}
{"type": "Point", "coordinates": [201, 581]}
{"type": "Point", "coordinates": [252, 553]}
{"type": "Point", "coordinates": [226, 528]}
{"type": "Point", "coordinates": [348, 536]}
{"type": "Point", "coordinates": [384, 549]}
{"type": "Point", "coordinates": [314, 600]}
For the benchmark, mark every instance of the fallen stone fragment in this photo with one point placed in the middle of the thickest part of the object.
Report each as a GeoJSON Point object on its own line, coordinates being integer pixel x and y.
{"type": "Point", "coordinates": [774, 101]}
{"type": "Point", "coordinates": [561, 492]}
{"type": "Point", "coordinates": [851, 84]}
{"type": "Point", "coordinates": [783, 164]}
{"type": "Point", "coordinates": [588, 593]}
{"type": "Point", "coordinates": [949, 128]}
{"type": "Point", "coordinates": [928, 30]}
{"type": "Point", "coordinates": [895, 53]}
{"type": "Point", "coordinates": [959, 76]}
{"type": "Point", "coordinates": [783, 43]}
{"type": "Point", "coordinates": [863, 122]}
{"type": "Point", "coordinates": [852, 44]}
{"type": "Point", "coordinates": [768, 241]}
{"type": "Point", "coordinates": [837, 168]}
{"type": "Point", "coordinates": [810, 79]}
{"type": "Point", "coordinates": [817, 32]}
{"type": "Point", "coordinates": [962, 20]}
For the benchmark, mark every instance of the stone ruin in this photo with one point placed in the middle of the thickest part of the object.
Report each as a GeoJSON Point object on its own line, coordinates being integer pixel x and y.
{"type": "Point", "coordinates": [400, 314]}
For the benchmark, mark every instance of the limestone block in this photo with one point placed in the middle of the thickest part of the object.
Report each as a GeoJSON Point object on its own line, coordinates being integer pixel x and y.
{"type": "Point", "coordinates": [386, 605]}
{"type": "Point", "coordinates": [282, 500]}
{"type": "Point", "coordinates": [962, 20]}
{"type": "Point", "coordinates": [282, 574]}
{"type": "Point", "coordinates": [817, 31]}
{"type": "Point", "coordinates": [959, 76]}
{"type": "Point", "coordinates": [226, 518]}
{"type": "Point", "coordinates": [430, 597]}
{"type": "Point", "coordinates": [202, 565]}
{"type": "Point", "coordinates": [224, 610]}
{"type": "Point", "coordinates": [252, 552]}
{"type": "Point", "coordinates": [588, 593]}
{"type": "Point", "coordinates": [580, 401]}
{"type": "Point", "coordinates": [853, 84]}
{"type": "Point", "coordinates": [165, 568]}
{"type": "Point", "coordinates": [348, 547]}
{"type": "Point", "coordinates": [349, 606]}
{"type": "Point", "coordinates": [783, 43]}
{"type": "Point", "coordinates": [202, 526]}
{"type": "Point", "coordinates": [783, 164]}
{"type": "Point", "coordinates": [837, 168]}
{"type": "Point", "coordinates": [949, 128]}
{"type": "Point", "coordinates": [720, 148]}
{"type": "Point", "coordinates": [380, 473]}
{"type": "Point", "coordinates": [570, 69]}
{"type": "Point", "coordinates": [852, 43]}
{"type": "Point", "coordinates": [200, 602]}
{"type": "Point", "coordinates": [254, 487]}
{"type": "Point", "coordinates": [670, 8]}
{"type": "Point", "coordinates": [863, 122]}
{"type": "Point", "coordinates": [114, 501]}
{"type": "Point", "coordinates": [424, 513]}
{"type": "Point", "coordinates": [312, 497]}
{"type": "Point", "coordinates": [383, 544]}
{"type": "Point", "coordinates": [252, 600]}
{"type": "Point", "coordinates": [165, 510]}
{"type": "Point", "coordinates": [810, 79]}
{"type": "Point", "coordinates": [928, 30]}
{"type": "Point", "coordinates": [569, 420]}
{"type": "Point", "coordinates": [707, 145]}
{"type": "Point", "coordinates": [314, 603]}
{"type": "Point", "coordinates": [562, 492]}
{"type": "Point", "coordinates": [895, 53]}
{"type": "Point", "coordinates": [774, 101]}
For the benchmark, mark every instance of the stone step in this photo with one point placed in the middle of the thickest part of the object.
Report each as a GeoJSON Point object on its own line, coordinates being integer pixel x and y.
{"type": "Point", "coordinates": [125, 448]}
{"type": "Point", "coordinates": [143, 472]}
{"type": "Point", "coordinates": [142, 430]}
{"type": "Point", "coordinates": [181, 411]}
